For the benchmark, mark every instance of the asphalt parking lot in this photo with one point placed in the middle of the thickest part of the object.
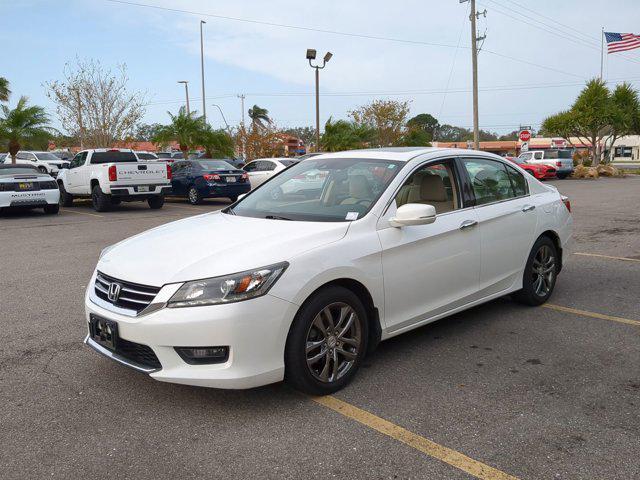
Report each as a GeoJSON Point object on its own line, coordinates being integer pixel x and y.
{"type": "Point", "coordinates": [500, 391]}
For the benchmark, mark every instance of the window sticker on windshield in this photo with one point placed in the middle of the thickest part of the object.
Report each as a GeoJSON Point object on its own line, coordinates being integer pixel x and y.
{"type": "Point", "coordinates": [351, 216]}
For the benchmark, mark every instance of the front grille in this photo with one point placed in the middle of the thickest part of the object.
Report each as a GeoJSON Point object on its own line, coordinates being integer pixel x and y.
{"type": "Point", "coordinates": [131, 296]}
{"type": "Point", "coordinates": [138, 353]}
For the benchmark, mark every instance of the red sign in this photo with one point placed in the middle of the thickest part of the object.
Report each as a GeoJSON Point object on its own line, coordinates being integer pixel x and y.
{"type": "Point", "coordinates": [525, 135]}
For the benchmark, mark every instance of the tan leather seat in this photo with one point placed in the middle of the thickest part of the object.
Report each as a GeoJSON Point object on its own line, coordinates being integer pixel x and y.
{"type": "Point", "coordinates": [432, 192]}
{"type": "Point", "coordinates": [359, 190]}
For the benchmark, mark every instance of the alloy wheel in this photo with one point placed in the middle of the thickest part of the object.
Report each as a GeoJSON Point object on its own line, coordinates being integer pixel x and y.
{"type": "Point", "coordinates": [333, 342]}
{"type": "Point", "coordinates": [543, 271]}
{"type": "Point", "coordinates": [193, 195]}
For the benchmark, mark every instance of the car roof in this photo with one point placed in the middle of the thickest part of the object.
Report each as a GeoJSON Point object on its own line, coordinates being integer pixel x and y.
{"type": "Point", "coordinates": [403, 154]}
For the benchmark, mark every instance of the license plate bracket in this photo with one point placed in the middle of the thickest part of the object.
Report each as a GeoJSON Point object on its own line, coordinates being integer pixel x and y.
{"type": "Point", "coordinates": [103, 331]}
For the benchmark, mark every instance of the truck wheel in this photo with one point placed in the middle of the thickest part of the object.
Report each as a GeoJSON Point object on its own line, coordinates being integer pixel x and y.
{"type": "Point", "coordinates": [194, 196]}
{"type": "Point", "coordinates": [66, 199]}
{"type": "Point", "coordinates": [52, 209]}
{"type": "Point", "coordinates": [101, 202]}
{"type": "Point", "coordinates": [562, 176]}
{"type": "Point", "coordinates": [155, 202]}
{"type": "Point", "coordinates": [116, 201]}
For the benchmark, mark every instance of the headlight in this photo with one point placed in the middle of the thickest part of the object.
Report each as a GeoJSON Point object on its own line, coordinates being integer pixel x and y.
{"type": "Point", "coordinates": [227, 289]}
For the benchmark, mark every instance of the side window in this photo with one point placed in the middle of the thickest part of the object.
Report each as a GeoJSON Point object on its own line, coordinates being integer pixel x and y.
{"type": "Point", "coordinates": [177, 167]}
{"type": "Point", "coordinates": [520, 184]}
{"type": "Point", "coordinates": [433, 184]}
{"type": "Point", "coordinates": [538, 155]}
{"type": "Point", "coordinates": [267, 166]}
{"type": "Point", "coordinates": [251, 167]}
{"type": "Point", "coordinates": [21, 156]}
{"type": "Point", "coordinates": [78, 160]}
{"type": "Point", "coordinates": [489, 180]}
{"type": "Point", "coordinates": [525, 157]}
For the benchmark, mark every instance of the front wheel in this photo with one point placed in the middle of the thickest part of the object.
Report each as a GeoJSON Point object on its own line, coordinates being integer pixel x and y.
{"type": "Point", "coordinates": [194, 196]}
{"type": "Point", "coordinates": [540, 273]}
{"type": "Point", "coordinates": [66, 199]}
{"type": "Point", "coordinates": [156, 202]}
{"type": "Point", "coordinates": [327, 342]}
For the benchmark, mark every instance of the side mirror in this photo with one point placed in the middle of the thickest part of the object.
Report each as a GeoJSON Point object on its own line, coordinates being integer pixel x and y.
{"type": "Point", "coordinates": [413, 214]}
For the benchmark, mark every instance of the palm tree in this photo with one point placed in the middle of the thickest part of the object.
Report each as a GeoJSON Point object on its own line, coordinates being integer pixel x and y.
{"type": "Point", "coordinates": [4, 90]}
{"type": "Point", "coordinates": [185, 128]}
{"type": "Point", "coordinates": [217, 143]}
{"type": "Point", "coordinates": [344, 135]}
{"type": "Point", "coordinates": [23, 124]}
{"type": "Point", "coordinates": [259, 116]}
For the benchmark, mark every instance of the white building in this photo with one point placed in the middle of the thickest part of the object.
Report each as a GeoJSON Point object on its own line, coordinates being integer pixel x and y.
{"type": "Point", "coordinates": [626, 150]}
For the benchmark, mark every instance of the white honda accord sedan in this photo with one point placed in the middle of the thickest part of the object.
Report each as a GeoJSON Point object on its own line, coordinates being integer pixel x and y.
{"type": "Point", "coordinates": [284, 285]}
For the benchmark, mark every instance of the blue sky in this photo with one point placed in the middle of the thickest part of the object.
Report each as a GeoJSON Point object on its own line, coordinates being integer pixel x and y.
{"type": "Point", "coordinates": [268, 65]}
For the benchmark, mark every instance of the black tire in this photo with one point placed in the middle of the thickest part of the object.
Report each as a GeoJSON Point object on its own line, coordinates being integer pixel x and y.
{"type": "Point", "coordinates": [302, 375]}
{"type": "Point", "coordinates": [562, 176]}
{"type": "Point", "coordinates": [52, 209]}
{"type": "Point", "coordinates": [101, 201]}
{"type": "Point", "coordinates": [116, 200]}
{"type": "Point", "coordinates": [156, 202]}
{"type": "Point", "coordinates": [194, 196]}
{"type": "Point", "coordinates": [537, 286]}
{"type": "Point", "coordinates": [233, 198]}
{"type": "Point", "coordinates": [66, 199]}
{"type": "Point", "coordinates": [42, 170]}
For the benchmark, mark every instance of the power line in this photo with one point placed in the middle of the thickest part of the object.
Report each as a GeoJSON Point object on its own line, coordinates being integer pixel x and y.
{"type": "Point", "coordinates": [335, 32]}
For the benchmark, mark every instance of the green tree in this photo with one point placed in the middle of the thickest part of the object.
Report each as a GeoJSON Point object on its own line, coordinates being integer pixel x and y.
{"type": "Point", "coordinates": [145, 131]}
{"type": "Point", "coordinates": [425, 123]}
{"type": "Point", "coordinates": [217, 143]}
{"type": "Point", "coordinates": [4, 90]}
{"type": "Point", "coordinates": [625, 114]}
{"type": "Point", "coordinates": [415, 137]}
{"type": "Point", "coordinates": [385, 118]}
{"type": "Point", "coordinates": [259, 116]}
{"type": "Point", "coordinates": [344, 135]}
{"type": "Point", "coordinates": [23, 125]}
{"type": "Point", "coordinates": [185, 128]}
{"type": "Point", "coordinates": [514, 135]}
{"type": "Point", "coordinates": [306, 134]}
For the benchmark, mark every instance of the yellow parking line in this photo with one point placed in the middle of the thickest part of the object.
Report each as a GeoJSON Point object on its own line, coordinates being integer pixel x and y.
{"type": "Point", "coordinates": [424, 445]}
{"type": "Point", "coordinates": [82, 213]}
{"type": "Point", "coordinates": [624, 259]}
{"type": "Point", "coordinates": [585, 313]}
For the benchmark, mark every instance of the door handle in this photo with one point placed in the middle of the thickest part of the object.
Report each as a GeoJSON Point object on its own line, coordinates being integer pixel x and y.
{"type": "Point", "coordinates": [468, 224]}
{"type": "Point", "coordinates": [528, 208]}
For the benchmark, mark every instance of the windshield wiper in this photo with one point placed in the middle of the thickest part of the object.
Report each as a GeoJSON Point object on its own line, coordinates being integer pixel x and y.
{"type": "Point", "coordinates": [276, 217]}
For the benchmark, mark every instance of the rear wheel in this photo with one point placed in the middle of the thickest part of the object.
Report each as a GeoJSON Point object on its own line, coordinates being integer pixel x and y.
{"type": "Point", "coordinates": [233, 198]}
{"type": "Point", "coordinates": [327, 341]}
{"type": "Point", "coordinates": [562, 176]}
{"type": "Point", "coordinates": [540, 273]}
{"type": "Point", "coordinates": [194, 196]}
{"type": "Point", "coordinates": [156, 202]}
{"type": "Point", "coordinates": [52, 209]}
{"type": "Point", "coordinates": [116, 201]}
{"type": "Point", "coordinates": [101, 201]}
{"type": "Point", "coordinates": [66, 199]}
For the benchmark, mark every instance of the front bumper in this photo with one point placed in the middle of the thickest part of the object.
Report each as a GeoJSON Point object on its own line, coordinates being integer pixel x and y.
{"type": "Point", "coordinates": [38, 198]}
{"type": "Point", "coordinates": [254, 330]}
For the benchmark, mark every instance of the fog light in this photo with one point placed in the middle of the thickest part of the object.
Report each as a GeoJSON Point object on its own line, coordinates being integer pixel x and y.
{"type": "Point", "coordinates": [203, 355]}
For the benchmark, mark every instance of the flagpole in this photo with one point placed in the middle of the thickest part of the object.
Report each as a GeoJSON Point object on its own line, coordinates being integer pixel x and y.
{"type": "Point", "coordinates": [601, 52]}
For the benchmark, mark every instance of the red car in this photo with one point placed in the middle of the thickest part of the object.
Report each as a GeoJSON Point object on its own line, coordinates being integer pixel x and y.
{"type": "Point", "coordinates": [539, 171]}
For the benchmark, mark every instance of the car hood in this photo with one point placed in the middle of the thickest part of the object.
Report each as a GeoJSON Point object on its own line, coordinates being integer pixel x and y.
{"type": "Point", "coordinates": [211, 245]}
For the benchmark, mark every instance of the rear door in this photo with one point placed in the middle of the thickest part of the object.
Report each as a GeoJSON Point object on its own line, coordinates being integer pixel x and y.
{"type": "Point", "coordinates": [507, 220]}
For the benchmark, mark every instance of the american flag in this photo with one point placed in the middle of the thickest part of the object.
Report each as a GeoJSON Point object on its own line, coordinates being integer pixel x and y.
{"type": "Point", "coordinates": [619, 42]}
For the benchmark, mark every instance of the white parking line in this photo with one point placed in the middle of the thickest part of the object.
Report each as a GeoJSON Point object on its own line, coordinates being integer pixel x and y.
{"type": "Point", "coordinates": [598, 255]}
{"type": "Point", "coordinates": [81, 213]}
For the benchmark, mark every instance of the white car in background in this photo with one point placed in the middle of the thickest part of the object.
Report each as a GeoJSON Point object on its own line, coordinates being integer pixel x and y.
{"type": "Point", "coordinates": [24, 186]}
{"type": "Point", "coordinates": [281, 287]}
{"type": "Point", "coordinates": [146, 156]}
{"type": "Point", "coordinates": [45, 162]}
{"type": "Point", "coordinates": [263, 169]}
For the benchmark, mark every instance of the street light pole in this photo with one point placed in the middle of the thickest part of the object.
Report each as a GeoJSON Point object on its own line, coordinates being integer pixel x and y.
{"type": "Point", "coordinates": [186, 92]}
{"type": "Point", "coordinates": [311, 55]}
{"type": "Point", "coordinates": [204, 107]}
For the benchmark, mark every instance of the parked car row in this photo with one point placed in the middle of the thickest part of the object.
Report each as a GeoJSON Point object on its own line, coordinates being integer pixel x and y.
{"type": "Point", "coordinates": [45, 162]}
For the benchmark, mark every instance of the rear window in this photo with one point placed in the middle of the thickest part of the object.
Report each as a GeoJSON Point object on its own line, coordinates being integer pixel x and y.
{"type": "Point", "coordinates": [211, 165]}
{"type": "Point", "coordinates": [287, 163]}
{"type": "Point", "coordinates": [113, 157]}
{"type": "Point", "coordinates": [26, 170]}
{"type": "Point", "coordinates": [147, 156]}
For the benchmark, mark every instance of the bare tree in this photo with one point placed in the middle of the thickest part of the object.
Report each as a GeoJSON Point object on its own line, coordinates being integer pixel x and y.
{"type": "Point", "coordinates": [94, 104]}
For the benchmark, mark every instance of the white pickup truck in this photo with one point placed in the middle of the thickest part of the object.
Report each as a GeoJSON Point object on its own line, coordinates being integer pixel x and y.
{"type": "Point", "coordinates": [110, 176]}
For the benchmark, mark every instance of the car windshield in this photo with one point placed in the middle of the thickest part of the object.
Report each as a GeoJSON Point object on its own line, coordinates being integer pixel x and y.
{"type": "Point", "coordinates": [213, 165]}
{"type": "Point", "coordinates": [323, 190]}
{"type": "Point", "coordinates": [46, 156]}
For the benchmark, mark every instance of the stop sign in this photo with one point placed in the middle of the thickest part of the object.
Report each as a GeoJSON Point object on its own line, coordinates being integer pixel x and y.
{"type": "Point", "coordinates": [525, 135]}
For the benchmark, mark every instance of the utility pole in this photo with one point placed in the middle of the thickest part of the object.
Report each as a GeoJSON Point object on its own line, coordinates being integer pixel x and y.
{"type": "Point", "coordinates": [474, 64]}
{"type": "Point", "coordinates": [204, 106]}
{"type": "Point", "coordinates": [244, 132]}
{"type": "Point", "coordinates": [601, 53]}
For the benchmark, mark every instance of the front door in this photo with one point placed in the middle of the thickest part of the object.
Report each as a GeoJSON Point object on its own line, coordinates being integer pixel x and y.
{"type": "Point", "coordinates": [507, 221]}
{"type": "Point", "coordinates": [429, 269]}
